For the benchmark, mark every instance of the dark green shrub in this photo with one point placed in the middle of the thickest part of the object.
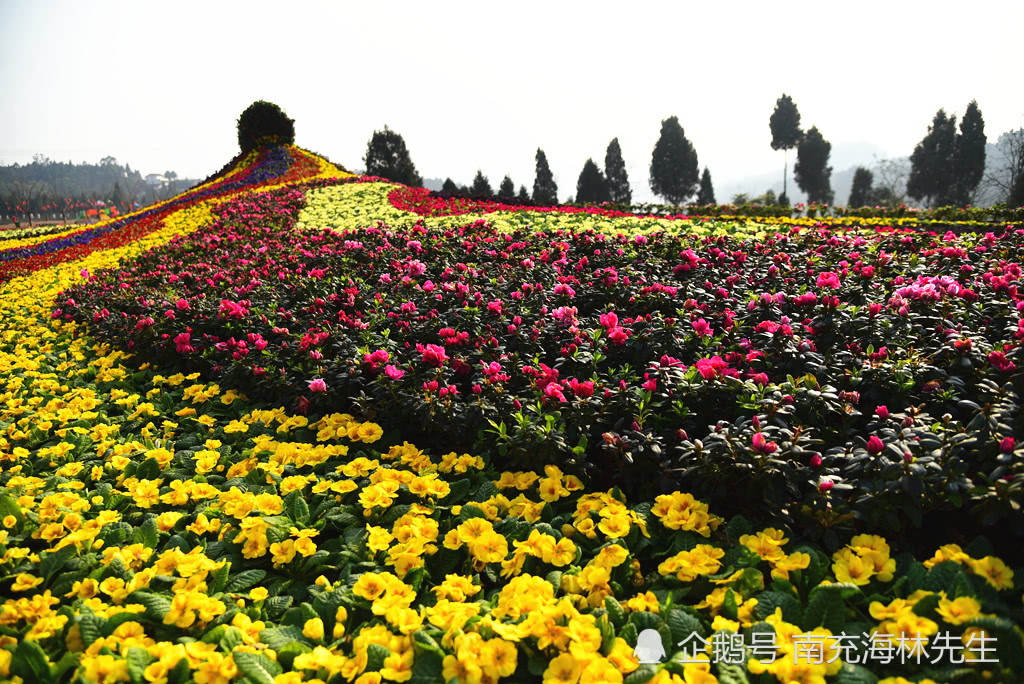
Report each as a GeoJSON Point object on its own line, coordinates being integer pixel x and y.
{"type": "Point", "coordinates": [264, 123]}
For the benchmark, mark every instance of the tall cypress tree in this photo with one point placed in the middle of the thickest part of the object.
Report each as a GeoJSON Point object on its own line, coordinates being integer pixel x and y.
{"type": "Point", "coordinates": [861, 190]}
{"type": "Point", "coordinates": [524, 195]}
{"type": "Point", "coordinates": [674, 168]}
{"type": "Point", "coordinates": [811, 171]}
{"type": "Point", "coordinates": [507, 189]}
{"type": "Point", "coordinates": [786, 134]}
{"type": "Point", "coordinates": [970, 155]}
{"type": "Point", "coordinates": [591, 186]}
{"type": "Point", "coordinates": [545, 191]}
{"type": "Point", "coordinates": [933, 162]}
{"type": "Point", "coordinates": [387, 157]}
{"type": "Point", "coordinates": [481, 186]}
{"type": "Point", "coordinates": [706, 193]}
{"type": "Point", "coordinates": [615, 174]}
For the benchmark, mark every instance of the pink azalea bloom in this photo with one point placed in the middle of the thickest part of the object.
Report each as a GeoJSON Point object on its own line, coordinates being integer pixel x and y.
{"type": "Point", "coordinates": [882, 412]}
{"type": "Point", "coordinates": [317, 385]}
{"type": "Point", "coordinates": [435, 355]}
{"type": "Point", "coordinates": [1007, 445]}
{"type": "Point", "coordinates": [875, 445]}
{"type": "Point", "coordinates": [393, 372]}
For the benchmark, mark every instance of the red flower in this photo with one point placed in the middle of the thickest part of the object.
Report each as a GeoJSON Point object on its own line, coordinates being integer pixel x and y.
{"type": "Point", "coordinates": [875, 445]}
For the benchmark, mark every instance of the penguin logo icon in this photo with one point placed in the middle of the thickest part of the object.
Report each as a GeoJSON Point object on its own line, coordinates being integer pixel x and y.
{"type": "Point", "coordinates": [649, 649]}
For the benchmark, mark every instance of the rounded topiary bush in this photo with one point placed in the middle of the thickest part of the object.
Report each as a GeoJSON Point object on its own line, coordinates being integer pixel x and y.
{"type": "Point", "coordinates": [264, 123]}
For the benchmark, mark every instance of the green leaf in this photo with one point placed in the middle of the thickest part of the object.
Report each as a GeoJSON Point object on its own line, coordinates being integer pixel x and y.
{"type": "Point", "coordinates": [279, 637]}
{"type": "Point", "coordinates": [824, 609]}
{"type": "Point", "coordinates": [460, 490]}
{"type": "Point", "coordinates": [91, 627]}
{"type": "Point", "coordinates": [642, 674]}
{"type": "Point", "coordinates": [219, 578]}
{"type": "Point", "coordinates": [147, 534]}
{"type": "Point", "coordinates": [30, 663]}
{"type": "Point", "coordinates": [138, 660]}
{"type": "Point", "coordinates": [276, 605]}
{"type": "Point", "coordinates": [768, 601]}
{"type": "Point", "coordinates": [855, 674]}
{"type": "Point", "coordinates": [731, 674]}
{"type": "Point", "coordinates": [615, 612]}
{"type": "Point", "coordinates": [375, 655]}
{"type": "Point", "coordinates": [296, 508]}
{"type": "Point", "coordinates": [257, 667]}
{"type": "Point", "coordinates": [426, 668]}
{"type": "Point", "coordinates": [232, 637]}
{"type": "Point", "coordinates": [8, 506]}
{"type": "Point", "coordinates": [156, 606]}
{"type": "Point", "coordinates": [683, 624]}
{"type": "Point", "coordinates": [244, 580]}
{"type": "Point", "coordinates": [730, 610]}
{"type": "Point", "coordinates": [51, 563]}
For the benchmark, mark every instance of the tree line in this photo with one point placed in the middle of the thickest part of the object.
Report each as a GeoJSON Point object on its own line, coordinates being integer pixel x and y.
{"type": "Point", "coordinates": [946, 168]}
{"type": "Point", "coordinates": [60, 190]}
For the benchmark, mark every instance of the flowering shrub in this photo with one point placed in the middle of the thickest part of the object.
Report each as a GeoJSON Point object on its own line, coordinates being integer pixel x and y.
{"type": "Point", "coordinates": [165, 519]}
{"type": "Point", "coordinates": [745, 371]}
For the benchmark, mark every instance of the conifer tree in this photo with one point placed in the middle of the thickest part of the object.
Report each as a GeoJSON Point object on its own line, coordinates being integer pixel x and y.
{"type": "Point", "coordinates": [507, 189]}
{"type": "Point", "coordinates": [545, 191]}
{"type": "Point", "coordinates": [706, 193]}
{"type": "Point", "coordinates": [674, 168]}
{"type": "Point", "coordinates": [861, 192]}
{"type": "Point", "coordinates": [811, 171]}
{"type": "Point", "coordinates": [591, 186]}
{"type": "Point", "coordinates": [786, 134]}
{"type": "Point", "coordinates": [615, 174]}
{"type": "Point", "coordinates": [969, 155]}
{"type": "Point", "coordinates": [932, 164]}
{"type": "Point", "coordinates": [387, 157]}
{"type": "Point", "coordinates": [524, 194]}
{"type": "Point", "coordinates": [481, 186]}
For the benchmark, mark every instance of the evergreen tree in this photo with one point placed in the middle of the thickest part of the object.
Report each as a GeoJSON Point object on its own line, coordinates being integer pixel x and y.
{"type": "Point", "coordinates": [811, 171]}
{"type": "Point", "coordinates": [450, 187]}
{"type": "Point", "coordinates": [786, 134]}
{"type": "Point", "coordinates": [591, 186]}
{"type": "Point", "coordinates": [261, 123]}
{"type": "Point", "coordinates": [615, 174]}
{"type": "Point", "coordinates": [524, 195]}
{"type": "Point", "coordinates": [481, 186]}
{"type": "Point", "coordinates": [932, 163]}
{"type": "Point", "coordinates": [387, 157]}
{"type": "Point", "coordinates": [674, 168]}
{"type": "Point", "coordinates": [706, 193]}
{"type": "Point", "coordinates": [507, 189]}
{"type": "Point", "coordinates": [1016, 198]}
{"type": "Point", "coordinates": [970, 155]}
{"type": "Point", "coordinates": [545, 191]}
{"type": "Point", "coordinates": [861, 190]}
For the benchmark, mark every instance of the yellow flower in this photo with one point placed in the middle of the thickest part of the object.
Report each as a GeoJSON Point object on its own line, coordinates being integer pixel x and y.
{"type": "Point", "coordinates": [258, 593]}
{"type": "Point", "coordinates": [959, 610]}
{"type": "Point", "coordinates": [564, 669]}
{"type": "Point", "coordinates": [994, 570]}
{"type": "Point", "coordinates": [313, 629]}
{"type": "Point", "coordinates": [25, 581]}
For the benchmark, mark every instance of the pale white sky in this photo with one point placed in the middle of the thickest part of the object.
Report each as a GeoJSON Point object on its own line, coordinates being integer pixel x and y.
{"type": "Point", "coordinates": [479, 84]}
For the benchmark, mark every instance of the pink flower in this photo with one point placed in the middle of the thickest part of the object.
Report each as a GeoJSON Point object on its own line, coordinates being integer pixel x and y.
{"type": "Point", "coordinates": [828, 279]}
{"type": "Point", "coordinates": [701, 327]}
{"type": "Point", "coordinates": [85, 273]}
{"type": "Point", "coordinates": [317, 385]}
{"type": "Point", "coordinates": [581, 389]}
{"type": "Point", "coordinates": [763, 446]}
{"type": "Point", "coordinates": [882, 412]}
{"type": "Point", "coordinates": [651, 384]}
{"type": "Point", "coordinates": [874, 308]}
{"type": "Point", "coordinates": [825, 485]}
{"type": "Point", "coordinates": [562, 288]}
{"type": "Point", "coordinates": [393, 373]}
{"type": "Point", "coordinates": [610, 320]}
{"type": "Point", "coordinates": [816, 461]}
{"type": "Point", "coordinates": [875, 445]}
{"type": "Point", "coordinates": [1007, 445]}
{"type": "Point", "coordinates": [434, 354]}
{"type": "Point", "coordinates": [183, 344]}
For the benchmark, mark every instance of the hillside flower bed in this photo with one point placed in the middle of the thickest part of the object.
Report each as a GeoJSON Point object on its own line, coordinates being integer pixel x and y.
{"type": "Point", "coordinates": [850, 381]}
{"type": "Point", "coordinates": [166, 520]}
